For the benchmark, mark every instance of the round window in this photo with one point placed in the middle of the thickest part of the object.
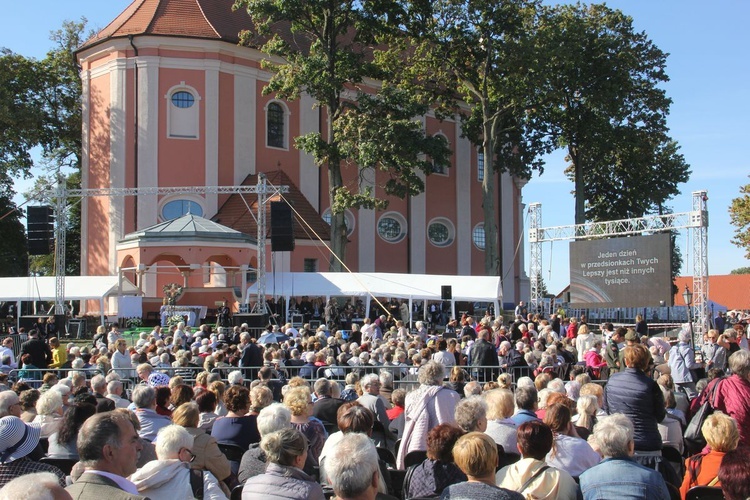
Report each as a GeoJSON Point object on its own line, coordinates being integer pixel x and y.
{"type": "Point", "coordinates": [348, 220]}
{"type": "Point", "coordinates": [477, 235]}
{"type": "Point", "coordinates": [177, 208]}
{"type": "Point", "coordinates": [392, 227]}
{"type": "Point", "coordinates": [183, 99]}
{"type": "Point", "coordinates": [440, 232]}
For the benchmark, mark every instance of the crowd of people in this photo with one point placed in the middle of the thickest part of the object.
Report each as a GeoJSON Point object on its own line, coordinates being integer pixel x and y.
{"type": "Point", "coordinates": [536, 408]}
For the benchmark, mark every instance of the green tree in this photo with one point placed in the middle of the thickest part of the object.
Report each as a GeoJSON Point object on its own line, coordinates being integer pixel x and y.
{"type": "Point", "coordinates": [741, 270]}
{"type": "Point", "coordinates": [328, 53]}
{"type": "Point", "coordinates": [483, 56]}
{"type": "Point", "coordinates": [45, 113]}
{"type": "Point", "coordinates": [609, 112]}
{"type": "Point", "coordinates": [739, 215]}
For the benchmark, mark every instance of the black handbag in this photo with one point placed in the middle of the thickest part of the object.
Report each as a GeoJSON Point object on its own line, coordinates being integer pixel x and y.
{"type": "Point", "coordinates": [694, 439]}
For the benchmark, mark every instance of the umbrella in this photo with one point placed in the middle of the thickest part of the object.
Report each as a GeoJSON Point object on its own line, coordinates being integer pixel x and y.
{"type": "Point", "coordinates": [272, 338]}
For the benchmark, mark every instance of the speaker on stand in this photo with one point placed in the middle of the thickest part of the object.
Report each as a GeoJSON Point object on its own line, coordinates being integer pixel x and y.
{"type": "Point", "coordinates": [282, 227]}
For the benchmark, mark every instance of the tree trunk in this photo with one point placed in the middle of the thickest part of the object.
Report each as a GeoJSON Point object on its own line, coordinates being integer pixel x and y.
{"type": "Point", "coordinates": [338, 221]}
{"type": "Point", "coordinates": [580, 194]}
{"type": "Point", "coordinates": [491, 246]}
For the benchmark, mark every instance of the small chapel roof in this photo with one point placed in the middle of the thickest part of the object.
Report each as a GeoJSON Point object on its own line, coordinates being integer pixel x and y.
{"type": "Point", "coordinates": [189, 227]}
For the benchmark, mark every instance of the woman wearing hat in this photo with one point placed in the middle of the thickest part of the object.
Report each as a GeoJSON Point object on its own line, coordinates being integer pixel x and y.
{"type": "Point", "coordinates": [17, 441]}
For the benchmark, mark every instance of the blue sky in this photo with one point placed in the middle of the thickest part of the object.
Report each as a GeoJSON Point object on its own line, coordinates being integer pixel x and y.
{"type": "Point", "coordinates": [710, 116]}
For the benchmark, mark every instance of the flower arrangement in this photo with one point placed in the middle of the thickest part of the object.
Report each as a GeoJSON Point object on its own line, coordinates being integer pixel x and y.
{"type": "Point", "coordinates": [134, 322]}
{"type": "Point", "coordinates": [172, 292]}
{"type": "Point", "coordinates": [175, 319]}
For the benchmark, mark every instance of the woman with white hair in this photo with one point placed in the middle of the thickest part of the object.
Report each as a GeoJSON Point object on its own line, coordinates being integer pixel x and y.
{"type": "Point", "coordinates": [169, 477]}
{"type": "Point", "coordinates": [428, 406]}
{"type": "Point", "coordinates": [681, 360]}
{"type": "Point", "coordinates": [618, 475]}
{"type": "Point", "coordinates": [286, 453]}
{"type": "Point", "coordinates": [49, 413]}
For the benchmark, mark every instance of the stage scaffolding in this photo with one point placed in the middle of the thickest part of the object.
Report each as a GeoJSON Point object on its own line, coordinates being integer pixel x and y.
{"type": "Point", "coordinates": [695, 221]}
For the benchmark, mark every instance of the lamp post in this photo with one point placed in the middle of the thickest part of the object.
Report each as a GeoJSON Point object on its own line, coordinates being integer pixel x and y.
{"type": "Point", "coordinates": [687, 296]}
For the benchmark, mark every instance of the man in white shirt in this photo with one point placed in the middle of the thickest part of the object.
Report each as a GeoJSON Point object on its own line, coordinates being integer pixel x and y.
{"type": "Point", "coordinates": [7, 350]}
{"type": "Point", "coordinates": [291, 331]}
{"type": "Point", "coordinates": [114, 392]}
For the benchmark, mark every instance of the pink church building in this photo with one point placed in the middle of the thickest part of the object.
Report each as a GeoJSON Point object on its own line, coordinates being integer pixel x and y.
{"type": "Point", "coordinates": [171, 99]}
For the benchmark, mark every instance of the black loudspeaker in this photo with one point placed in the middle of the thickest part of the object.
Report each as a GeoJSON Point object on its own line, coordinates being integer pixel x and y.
{"type": "Point", "coordinates": [40, 230]}
{"type": "Point", "coordinates": [252, 320]}
{"type": "Point", "coordinates": [446, 292]}
{"type": "Point", "coordinates": [282, 227]}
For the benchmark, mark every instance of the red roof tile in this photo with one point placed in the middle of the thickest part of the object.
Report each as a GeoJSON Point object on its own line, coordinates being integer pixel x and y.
{"type": "Point", "coordinates": [730, 290]}
{"type": "Point", "coordinates": [235, 214]}
{"type": "Point", "coordinates": [212, 19]}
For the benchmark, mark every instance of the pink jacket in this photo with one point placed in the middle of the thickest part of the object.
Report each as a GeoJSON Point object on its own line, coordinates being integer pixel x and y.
{"type": "Point", "coordinates": [733, 398]}
{"type": "Point", "coordinates": [426, 407]}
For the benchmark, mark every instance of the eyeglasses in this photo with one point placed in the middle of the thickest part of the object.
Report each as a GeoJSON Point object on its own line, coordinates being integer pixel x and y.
{"type": "Point", "coordinates": [192, 455]}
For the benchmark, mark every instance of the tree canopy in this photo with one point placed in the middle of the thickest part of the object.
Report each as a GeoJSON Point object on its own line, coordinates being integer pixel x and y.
{"type": "Point", "coordinates": [331, 53]}
{"type": "Point", "coordinates": [608, 110]}
{"type": "Point", "coordinates": [739, 215]}
{"type": "Point", "coordinates": [40, 107]}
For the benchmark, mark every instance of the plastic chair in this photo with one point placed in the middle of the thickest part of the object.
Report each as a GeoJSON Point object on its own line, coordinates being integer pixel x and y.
{"type": "Point", "coordinates": [64, 464]}
{"type": "Point", "coordinates": [232, 452]}
{"type": "Point", "coordinates": [386, 456]}
{"type": "Point", "coordinates": [237, 492]}
{"type": "Point", "coordinates": [415, 457]}
{"type": "Point", "coordinates": [704, 493]}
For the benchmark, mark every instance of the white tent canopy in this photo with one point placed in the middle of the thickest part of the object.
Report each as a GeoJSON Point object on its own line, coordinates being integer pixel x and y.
{"type": "Point", "coordinates": [29, 289]}
{"type": "Point", "coordinates": [403, 286]}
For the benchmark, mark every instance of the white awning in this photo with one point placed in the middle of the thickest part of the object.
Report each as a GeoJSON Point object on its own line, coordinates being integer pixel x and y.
{"type": "Point", "coordinates": [76, 288]}
{"type": "Point", "coordinates": [415, 286]}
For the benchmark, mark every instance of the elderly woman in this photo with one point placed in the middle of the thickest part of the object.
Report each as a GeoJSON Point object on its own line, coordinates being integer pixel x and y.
{"type": "Point", "coordinates": [286, 453]}
{"type": "Point", "coordinates": [426, 407]}
{"type": "Point", "coordinates": [49, 412]}
{"type": "Point", "coordinates": [733, 393]}
{"type": "Point", "coordinates": [584, 341]}
{"type": "Point", "coordinates": [500, 427]}
{"type": "Point", "coordinates": [121, 361]}
{"type": "Point", "coordinates": [471, 414]}
{"type": "Point", "coordinates": [438, 471]}
{"type": "Point", "coordinates": [569, 452]}
{"type": "Point", "coordinates": [594, 361]}
{"type": "Point", "coordinates": [237, 428]}
{"type": "Point", "coordinates": [475, 454]}
{"type": "Point", "coordinates": [637, 396]}
{"type": "Point", "coordinates": [702, 469]}
{"type": "Point", "coordinates": [681, 360]}
{"type": "Point", "coordinates": [271, 419]}
{"type": "Point", "coordinates": [168, 478]}
{"type": "Point", "coordinates": [529, 476]}
{"type": "Point", "coordinates": [62, 444]}
{"type": "Point", "coordinates": [618, 474]}
{"type": "Point", "coordinates": [299, 402]}
{"type": "Point", "coordinates": [208, 456]}
{"type": "Point", "coordinates": [206, 402]}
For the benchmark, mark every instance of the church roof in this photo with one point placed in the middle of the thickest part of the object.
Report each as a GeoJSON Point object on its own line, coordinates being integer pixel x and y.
{"type": "Point", "coordinates": [207, 19]}
{"type": "Point", "coordinates": [235, 211]}
{"type": "Point", "coordinates": [189, 227]}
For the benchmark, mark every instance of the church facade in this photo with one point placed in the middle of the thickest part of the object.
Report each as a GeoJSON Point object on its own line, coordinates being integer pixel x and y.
{"type": "Point", "coordinates": [171, 99]}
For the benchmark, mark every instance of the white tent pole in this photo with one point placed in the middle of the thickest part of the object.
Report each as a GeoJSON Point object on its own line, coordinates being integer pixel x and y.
{"type": "Point", "coordinates": [101, 310]}
{"type": "Point", "coordinates": [286, 307]}
{"type": "Point", "coordinates": [497, 309]}
{"type": "Point", "coordinates": [453, 308]}
{"type": "Point", "coordinates": [424, 311]}
{"type": "Point", "coordinates": [408, 325]}
{"type": "Point", "coordinates": [367, 312]}
{"type": "Point", "coordinates": [18, 316]}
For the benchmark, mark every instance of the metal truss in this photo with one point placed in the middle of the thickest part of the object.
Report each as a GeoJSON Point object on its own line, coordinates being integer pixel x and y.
{"type": "Point", "coordinates": [699, 231]}
{"type": "Point", "coordinates": [263, 189]}
{"type": "Point", "coordinates": [695, 221]}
